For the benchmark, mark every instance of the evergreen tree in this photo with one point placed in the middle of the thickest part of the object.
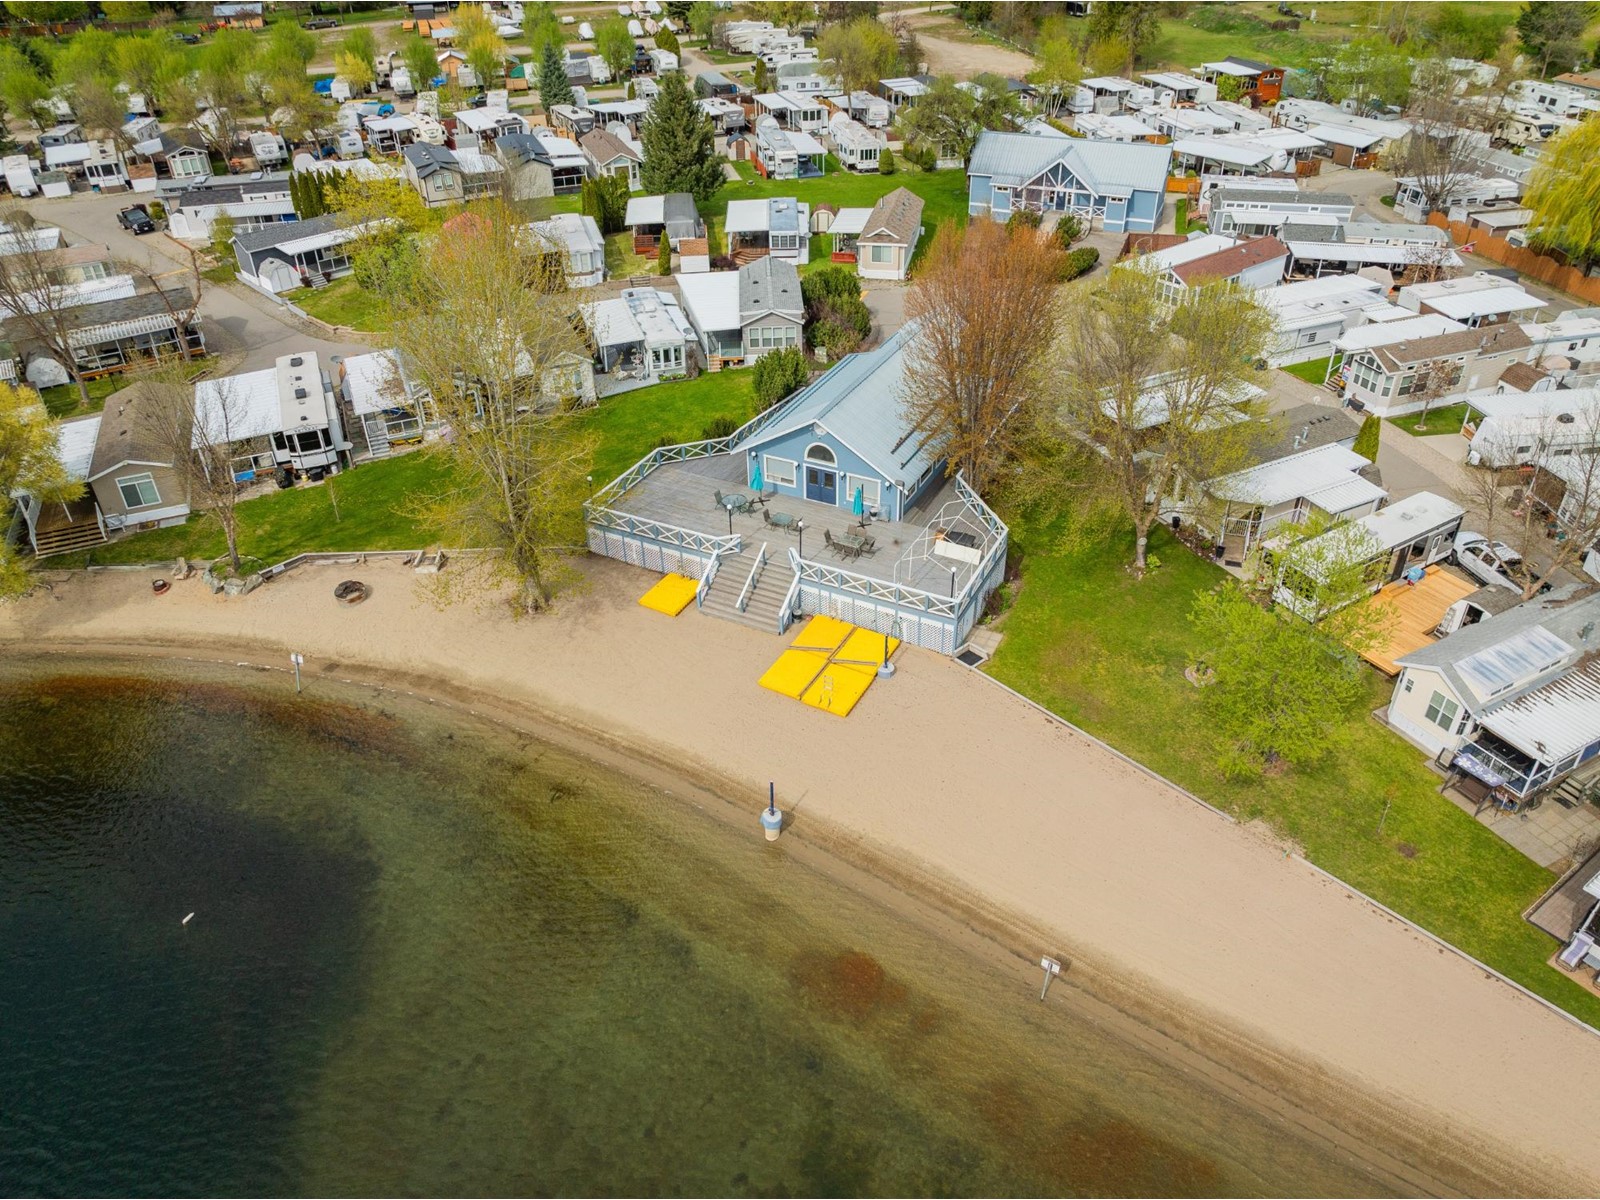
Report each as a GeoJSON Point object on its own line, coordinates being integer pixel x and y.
{"type": "Point", "coordinates": [297, 193]}
{"type": "Point", "coordinates": [1367, 440]}
{"type": "Point", "coordinates": [664, 255]}
{"type": "Point", "coordinates": [886, 164]}
{"type": "Point", "coordinates": [680, 146]}
{"type": "Point", "coordinates": [554, 86]}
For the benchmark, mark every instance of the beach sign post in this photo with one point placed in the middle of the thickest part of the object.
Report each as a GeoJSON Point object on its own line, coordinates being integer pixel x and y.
{"type": "Point", "coordinates": [771, 818]}
{"type": "Point", "coordinates": [1052, 968]}
{"type": "Point", "coordinates": [297, 658]}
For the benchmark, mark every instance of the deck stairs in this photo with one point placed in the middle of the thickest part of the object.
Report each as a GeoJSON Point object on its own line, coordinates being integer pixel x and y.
{"type": "Point", "coordinates": [85, 535]}
{"type": "Point", "coordinates": [766, 599]}
{"type": "Point", "coordinates": [378, 444]}
{"type": "Point", "coordinates": [1579, 786]}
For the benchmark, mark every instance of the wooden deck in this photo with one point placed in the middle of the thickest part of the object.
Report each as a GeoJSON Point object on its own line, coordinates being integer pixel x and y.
{"type": "Point", "coordinates": [683, 494]}
{"type": "Point", "coordinates": [1418, 609]}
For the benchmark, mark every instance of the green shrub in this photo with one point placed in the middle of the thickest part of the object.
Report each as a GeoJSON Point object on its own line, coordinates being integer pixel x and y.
{"type": "Point", "coordinates": [722, 427]}
{"type": "Point", "coordinates": [1068, 230]}
{"type": "Point", "coordinates": [829, 283]}
{"type": "Point", "coordinates": [1023, 218]}
{"type": "Point", "coordinates": [1367, 440]}
{"type": "Point", "coordinates": [778, 373]}
{"type": "Point", "coordinates": [886, 162]}
{"type": "Point", "coordinates": [1080, 262]}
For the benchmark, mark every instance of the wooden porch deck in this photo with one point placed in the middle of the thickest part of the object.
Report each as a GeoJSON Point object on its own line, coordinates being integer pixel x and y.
{"type": "Point", "coordinates": [682, 494]}
{"type": "Point", "coordinates": [1417, 610]}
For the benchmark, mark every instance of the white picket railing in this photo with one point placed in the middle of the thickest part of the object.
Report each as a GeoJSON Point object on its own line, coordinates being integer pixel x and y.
{"type": "Point", "coordinates": [755, 575]}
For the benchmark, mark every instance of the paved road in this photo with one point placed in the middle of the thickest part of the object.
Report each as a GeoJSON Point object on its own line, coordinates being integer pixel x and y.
{"type": "Point", "coordinates": [237, 321]}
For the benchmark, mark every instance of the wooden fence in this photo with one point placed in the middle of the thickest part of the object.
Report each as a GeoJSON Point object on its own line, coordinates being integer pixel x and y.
{"type": "Point", "coordinates": [1542, 267]}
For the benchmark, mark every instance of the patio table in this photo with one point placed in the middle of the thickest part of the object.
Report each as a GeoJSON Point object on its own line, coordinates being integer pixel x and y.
{"type": "Point", "coordinates": [780, 520]}
{"type": "Point", "coordinates": [853, 542]}
{"type": "Point", "coordinates": [734, 502]}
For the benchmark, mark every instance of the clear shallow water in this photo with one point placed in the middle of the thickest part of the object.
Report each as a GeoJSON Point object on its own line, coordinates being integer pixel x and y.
{"type": "Point", "coordinates": [435, 957]}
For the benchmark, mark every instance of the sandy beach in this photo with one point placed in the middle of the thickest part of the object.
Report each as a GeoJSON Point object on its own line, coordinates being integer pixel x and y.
{"type": "Point", "coordinates": [1240, 950]}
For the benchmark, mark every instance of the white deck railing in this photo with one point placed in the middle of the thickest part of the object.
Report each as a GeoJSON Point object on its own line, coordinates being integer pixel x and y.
{"type": "Point", "coordinates": [755, 574]}
{"type": "Point", "coordinates": [708, 577]}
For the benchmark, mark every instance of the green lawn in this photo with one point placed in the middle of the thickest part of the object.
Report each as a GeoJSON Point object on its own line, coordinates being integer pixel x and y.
{"type": "Point", "coordinates": [621, 261]}
{"type": "Point", "coordinates": [1180, 220]}
{"type": "Point", "coordinates": [1445, 419]}
{"type": "Point", "coordinates": [64, 401]}
{"type": "Point", "coordinates": [373, 497]}
{"type": "Point", "coordinates": [344, 302]}
{"type": "Point", "coordinates": [1315, 371]}
{"type": "Point", "coordinates": [632, 424]}
{"type": "Point", "coordinates": [944, 193]}
{"type": "Point", "coordinates": [372, 501]}
{"type": "Point", "coordinates": [1107, 652]}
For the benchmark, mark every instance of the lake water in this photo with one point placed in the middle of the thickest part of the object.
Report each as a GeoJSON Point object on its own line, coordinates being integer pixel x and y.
{"type": "Point", "coordinates": [433, 956]}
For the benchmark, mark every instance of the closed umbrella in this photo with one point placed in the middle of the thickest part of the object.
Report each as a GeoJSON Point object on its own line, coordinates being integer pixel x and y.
{"type": "Point", "coordinates": [857, 505]}
{"type": "Point", "coordinates": [756, 482]}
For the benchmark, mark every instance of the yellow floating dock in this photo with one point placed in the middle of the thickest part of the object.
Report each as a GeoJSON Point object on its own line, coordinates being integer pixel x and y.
{"type": "Point", "coordinates": [671, 596]}
{"type": "Point", "coordinates": [829, 665]}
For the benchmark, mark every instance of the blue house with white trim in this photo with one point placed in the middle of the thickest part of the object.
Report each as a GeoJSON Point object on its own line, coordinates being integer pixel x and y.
{"type": "Point", "coordinates": [1120, 187]}
{"type": "Point", "coordinates": [768, 520]}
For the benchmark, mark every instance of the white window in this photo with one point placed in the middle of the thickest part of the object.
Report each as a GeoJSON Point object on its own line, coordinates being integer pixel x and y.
{"type": "Point", "coordinates": [881, 254]}
{"type": "Point", "coordinates": [779, 470]}
{"type": "Point", "coordinates": [138, 491]}
{"type": "Point", "coordinates": [818, 453]}
{"type": "Point", "coordinates": [870, 493]}
{"type": "Point", "coordinates": [1442, 711]}
{"type": "Point", "coordinates": [785, 241]}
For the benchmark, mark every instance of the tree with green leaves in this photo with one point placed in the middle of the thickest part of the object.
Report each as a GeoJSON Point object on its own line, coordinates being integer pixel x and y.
{"type": "Point", "coordinates": [1370, 72]}
{"type": "Point", "coordinates": [554, 86]}
{"type": "Point", "coordinates": [357, 72]}
{"type": "Point", "coordinates": [778, 373]}
{"type": "Point", "coordinates": [859, 53]}
{"type": "Point", "coordinates": [702, 20]}
{"type": "Point", "coordinates": [761, 77]}
{"type": "Point", "coordinates": [606, 200]}
{"type": "Point", "coordinates": [950, 118]}
{"type": "Point", "coordinates": [1277, 689]}
{"type": "Point", "coordinates": [1367, 440]}
{"type": "Point", "coordinates": [886, 163]}
{"type": "Point", "coordinates": [153, 66]}
{"type": "Point", "coordinates": [614, 44]}
{"type": "Point", "coordinates": [422, 63]}
{"type": "Point", "coordinates": [1551, 31]}
{"type": "Point", "coordinates": [1060, 68]}
{"type": "Point", "coordinates": [1562, 193]}
{"type": "Point", "coordinates": [667, 40]}
{"type": "Point", "coordinates": [664, 255]}
{"type": "Point", "coordinates": [679, 144]}
{"type": "Point", "coordinates": [1229, 87]}
{"type": "Point", "coordinates": [518, 465]}
{"type": "Point", "coordinates": [1134, 25]}
{"type": "Point", "coordinates": [287, 50]}
{"type": "Point", "coordinates": [28, 463]}
{"type": "Point", "coordinates": [1119, 333]}
{"type": "Point", "coordinates": [23, 88]}
{"type": "Point", "coordinates": [126, 12]}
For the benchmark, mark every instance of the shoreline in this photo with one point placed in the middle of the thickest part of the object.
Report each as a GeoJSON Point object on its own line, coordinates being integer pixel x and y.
{"type": "Point", "coordinates": [1234, 1053]}
{"type": "Point", "coordinates": [961, 920]}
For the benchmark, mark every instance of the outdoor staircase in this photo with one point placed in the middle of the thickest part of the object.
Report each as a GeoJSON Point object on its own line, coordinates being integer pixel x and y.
{"type": "Point", "coordinates": [765, 601]}
{"type": "Point", "coordinates": [85, 535]}
{"type": "Point", "coordinates": [378, 443]}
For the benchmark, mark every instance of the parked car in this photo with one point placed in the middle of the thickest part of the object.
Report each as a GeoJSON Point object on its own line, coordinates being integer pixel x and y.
{"type": "Point", "coordinates": [479, 101]}
{"type": "Point", "coordinates": [188, 39]}
{"type": "Point", "coordinates": [1488, 562]}
{"type": "Point", "coordinates": [136, 219]}
{"type": "Point", "coordinates": [322, 23]}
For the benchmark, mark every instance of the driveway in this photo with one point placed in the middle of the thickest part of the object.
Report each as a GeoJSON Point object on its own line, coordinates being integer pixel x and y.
{"type": "Point", "coordinates": [259, 330]}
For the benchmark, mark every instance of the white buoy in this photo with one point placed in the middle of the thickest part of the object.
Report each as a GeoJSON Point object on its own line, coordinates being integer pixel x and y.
{"type": "Point", "coordinates": [189, 918]}
{"type": "Point", "coordinates": [771, 818]}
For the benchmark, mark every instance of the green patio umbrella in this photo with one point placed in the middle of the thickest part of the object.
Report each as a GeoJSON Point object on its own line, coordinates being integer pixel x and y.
{"type": "Point", "coordinates": [856, 505]}
{"type": "Point", "coordinates": [756, 482]}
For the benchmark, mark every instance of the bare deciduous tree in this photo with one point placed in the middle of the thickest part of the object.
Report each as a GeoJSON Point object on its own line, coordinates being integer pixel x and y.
{"type": "Point", "coordinates": [1448, 131]}
{"type": "Point", "coordinates": [1159, 395]}
{"type": "Point", "coordinates": [985, 317]}
{"type": "Point", "coordinates": [33, 300]}
{"type": "Point", "coordinates": [484, 333]}
{"type": "Point", "coordinates": [198, 430]}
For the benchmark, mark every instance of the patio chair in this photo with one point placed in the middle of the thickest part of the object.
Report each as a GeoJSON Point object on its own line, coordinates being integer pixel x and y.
{"type": "Point", "coordinates": [722, 501]}
{"type": "Point", "coordinates": [869, 545]}
{"type": "Point", "coordinates": [827, 538]}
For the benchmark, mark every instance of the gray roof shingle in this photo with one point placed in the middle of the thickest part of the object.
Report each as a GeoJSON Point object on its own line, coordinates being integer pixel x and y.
{"type": "Point", "coordinates": [275, 234]}
{"type": "Point", "coordinates": [769, 285]}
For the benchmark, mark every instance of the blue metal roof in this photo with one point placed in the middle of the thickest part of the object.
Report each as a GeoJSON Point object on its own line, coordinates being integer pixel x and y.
{"type": "Point", "coordinates": [1110, 168]}
{"type": "Point", "coordinates": [858, 403]}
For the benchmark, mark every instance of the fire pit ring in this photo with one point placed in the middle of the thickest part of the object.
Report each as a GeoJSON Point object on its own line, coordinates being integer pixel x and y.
{"type": "Point", "coordinates": [351, 591]}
